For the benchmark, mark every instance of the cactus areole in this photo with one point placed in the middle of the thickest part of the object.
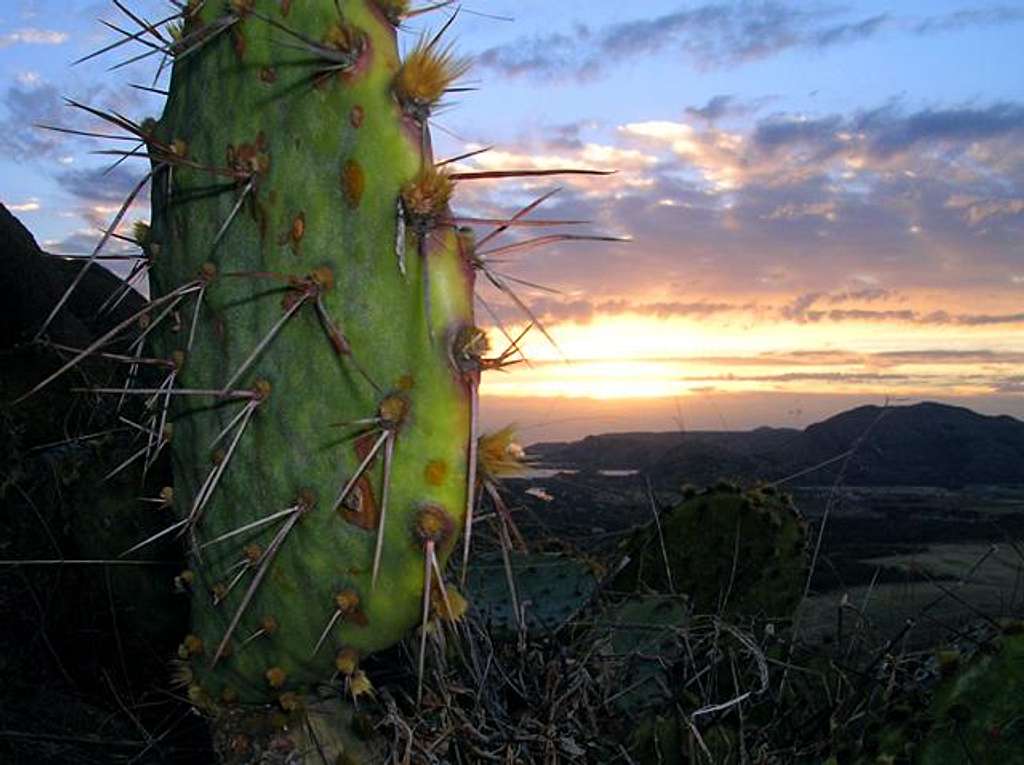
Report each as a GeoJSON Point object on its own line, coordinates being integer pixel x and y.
{"type": "Point", "coordinates": [301, 233]}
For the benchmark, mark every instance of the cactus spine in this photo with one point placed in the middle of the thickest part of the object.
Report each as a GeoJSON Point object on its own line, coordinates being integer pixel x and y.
{"type": "Point", "coordinates": [304, 236]}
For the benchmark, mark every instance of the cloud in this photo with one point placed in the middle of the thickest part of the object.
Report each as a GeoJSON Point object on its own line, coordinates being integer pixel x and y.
{"type": "Point", "coordinates": [818, 358]}
{"type": "Point", "coordinates": [851, 32]}
{"type": "Point", "coordinates": [30, 103]}
{"type": "Point", "coordinates": [848, 378]}
{"type": "Point", "coordinates": [801, 211]}
{"type": "Point", "coordinates": [710, 35]}
{"type": "Point", "coordinates": [826, 210]}
{"type": "Point", "coordinates": [715, 35]}
{"type": "Point", "coordinates": [98, 196]}
{"type": "Point", "coordinates": [716, 154]}
{"type": "Point", "coordinates": [99, 187]}
{"type": "Point", "coordinates": [716, 108]}
{"type": "Point", "coordinates": [787, 130]}
{"type": "Point", "coordinates": [958, 20]}
{"type": "Point", "coordinates": [32, 36]}
{"type": "Point", "coordinates": [543, 55]}
{"type": "Point", "coordinates": [29, 205]}
{"type": "Point", "coordinates": [799, 310]}
{"type": "Point", "coordinates": [892, 132]}
{"type": "Point", "coordinates": [27, 106]}
{"type": "Point", "coordinates": [983, 319]}
{"type": "Point", "coordinates": [582, 311]}
{"type": "Point", "coordinates": [946, 356]}
{"type": "Point", "coordinates": [29, 79]}
{"type": "Point", "coordinates": [978, 210]}
{"type": "Point", "coordinates": [1010, 385]}
{"type": "Point", "coordinates": [910, 316]}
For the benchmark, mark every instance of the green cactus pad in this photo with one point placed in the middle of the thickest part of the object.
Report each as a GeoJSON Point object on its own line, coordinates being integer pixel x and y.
{"type": "Point", "coordinates": [730, 551]}
{"type": "Point", "coordinates": [296, 201]}
{"type": "Point", "coordinates": [551, 586]}
{"type": "Point", "coordinates": [978, 711]}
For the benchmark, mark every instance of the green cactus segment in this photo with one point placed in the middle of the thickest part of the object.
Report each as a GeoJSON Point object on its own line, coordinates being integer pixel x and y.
{"type": "Point", "coordinates": [978, 712]}
{"type": "Point", "coordinates": [552, 587]}
{"type": "Point", "coordinates": [975, 712]}
{"type": "Point", "coordinates": [729, 551]}
{"type": "Point", "coordinates": [294, 154]}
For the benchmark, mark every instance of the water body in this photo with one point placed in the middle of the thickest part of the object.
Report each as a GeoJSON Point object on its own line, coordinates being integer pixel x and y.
{"type": "Point", "coordinates": [534, 473]}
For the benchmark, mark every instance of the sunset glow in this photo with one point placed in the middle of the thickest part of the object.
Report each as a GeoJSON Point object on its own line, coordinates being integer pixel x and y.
{"type": "Point", "coordinates": [820, 202]}
{"type": "Point", "coordinates": [631, 357]}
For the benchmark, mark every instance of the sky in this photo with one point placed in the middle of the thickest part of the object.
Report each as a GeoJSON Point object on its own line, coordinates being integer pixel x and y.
{"type": "Point", "coordinates": [824, 201]}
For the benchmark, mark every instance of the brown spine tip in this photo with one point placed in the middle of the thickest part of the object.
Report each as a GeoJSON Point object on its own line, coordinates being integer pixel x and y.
{"type": "Point", "coordinates": [500, 456]}
{"type": "Point", "coordinates": [262, 388]}
{"type": "Point", "coordinates": [393, 410]}
{"type": "Point", "coordinates": [347, 601]}
{"type": "Point", "coordinates": [198, 697]}
{"type": "Point", "coordinates": [269, 625]}
{"type": "Point", "coordinates": [356, 116]}
{"type": "Point", "coordinates": [347, 661]}
{"type": "Point", "coordinates": [276, 677]}
{"type": "Point", "coordinates": [249, 159]}
{"type": "Point", "coordinates": [141, 233]}
{"type": "Point", "coordinates": [425, 198]}
{"type": "Point", "coordinates": [433, 524]}
{"type": "Point", "coordinates": [345, 39]}
{"type": "Point", "coordinates": [290, 701]}
{"type": "Point", "coordinates": [449, 604]}
{"type": "Point", "coordinates": [427, 72]}
{"type": "Point", "coordinates": [268, 75]}
{"type": "Point", "coordinates": [322, 277]}
{"type": "Point", "coordinates": [359, 684]}
{"type": "Point", "coordinates": [192, 645]}
{"type": "Point", "coordinates": [183, 582]}
{"type": "Point", "coordinates": [393, 10]}
{"type": "Point", "coordinates": [469, 346]}
{"type": "Point", "coordinates": [307, 499]}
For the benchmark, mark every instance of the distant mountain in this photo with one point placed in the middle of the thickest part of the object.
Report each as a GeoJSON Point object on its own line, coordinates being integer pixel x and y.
{"type": "Point", "coordinates": [928, 444]}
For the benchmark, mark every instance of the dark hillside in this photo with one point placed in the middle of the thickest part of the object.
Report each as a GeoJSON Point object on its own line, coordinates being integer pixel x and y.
{"type": "Point", "coordinates": [927, 444]}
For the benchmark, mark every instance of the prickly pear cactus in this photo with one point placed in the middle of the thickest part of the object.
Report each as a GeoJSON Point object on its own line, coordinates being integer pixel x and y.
{"type": "Point", "coordinates": [324, 384]}
{"type": "Point", "coordinates": [730, 551]}
{"type": "Point", "coordinates": [551, 587]}
{"type": "Point", "coordinates": [979, 710]}
{"type": "Point", "coordinates": [975, 711]}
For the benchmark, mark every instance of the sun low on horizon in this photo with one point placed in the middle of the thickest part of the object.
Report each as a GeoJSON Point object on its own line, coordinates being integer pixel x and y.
{"type": "Point", "coordinates": [809, 206]}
